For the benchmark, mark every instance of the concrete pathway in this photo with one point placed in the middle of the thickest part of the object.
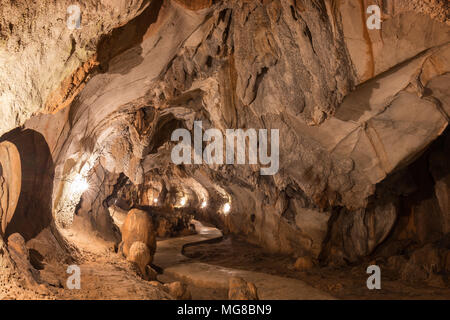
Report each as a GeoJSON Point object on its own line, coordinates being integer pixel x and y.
{"type": "Point", "coordinates": [169, 257]}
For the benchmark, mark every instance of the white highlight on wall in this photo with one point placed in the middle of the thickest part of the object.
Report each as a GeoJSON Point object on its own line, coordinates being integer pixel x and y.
{"type": "Point", "coordinates": [226, 208]}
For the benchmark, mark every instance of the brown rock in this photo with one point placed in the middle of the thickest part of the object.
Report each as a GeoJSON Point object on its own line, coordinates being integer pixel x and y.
{"type": "Point", "coordinates": [357, 234]}
{"type": "Point", "coordinates": [446, 262]}
{"type": "Point", "coordinates": [21, 257]}
{"type": "Point", "coordinates": [158, 285]}
{"type": "Point", "coordinates": [293, 70]}
{"type": "Point", "coordinates": [17, 243]}
{"type": "Point", "coordinates": [423, 264]}
{"type": "Point", "coordinates": [170, 224]}
{"type": "Point", "coordinates": [138, 226]}
{"type": "Point", "coordinates": [335, 287]}
{"type": "Point", "coordinates": [178, 290]}
{"type": "Point", "coordinates": [440, 169]}
{"type": "Point", "coordinates": [239, 289]}
{"type": "Point", "coordinates": [428, 258]}
{"type": "Point", "coordinates": [164, 228]}
{"type": "Point", "coordinates": [412, 272]}
{"type": "Point", "coordinates": [195, 4]}
{"type": "Point", "coordinates": [437, 280]}
{"type": "Point", "coordinates": [303, 264]}
{"type": "Point", "coordinates": [397, 262]}
{"type": "Point", "coordinates": [10, 182]}
{"type": "Point", "coordinates": [139, 253]}
{"type": "Point", "coordinates": [151, 273]}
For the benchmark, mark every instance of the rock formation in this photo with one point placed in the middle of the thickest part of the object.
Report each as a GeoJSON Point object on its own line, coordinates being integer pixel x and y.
{"type": "Point", "coordinates": [138, 227]}
{"type": "Point", "coordinates": [362, 116]}
{"type": "Point", "coordinates": [239, 289]}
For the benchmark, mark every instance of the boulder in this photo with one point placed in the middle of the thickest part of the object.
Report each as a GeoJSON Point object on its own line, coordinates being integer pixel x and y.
{"type": "Point", "coordinates": [139, 253]}
{"type": "Point", "coordinates": [138, 226]}
{"type": "Point", "coordinates": [357, 234]}
{"type": "Point", "coordinates": [21, 257]}
{"type": "Point", "coordinates": [239, 289]}
{"type": "Point", "coordinates": [428, 258]}
{"type": "Point", "coordinates": [303, 264]}
{"type": "Point", "coordinates": [10, 182]}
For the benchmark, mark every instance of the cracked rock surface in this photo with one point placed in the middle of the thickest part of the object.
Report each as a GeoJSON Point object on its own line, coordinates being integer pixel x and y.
{"type": "Point", "coordinates": [359, 112]}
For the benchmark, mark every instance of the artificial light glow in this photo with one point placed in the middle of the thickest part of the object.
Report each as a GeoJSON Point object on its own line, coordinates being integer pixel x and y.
{"type": "Point", "coordinates": [204, 204]}
{"type": "Point", "coordinates": [226, 208]}
{"type": "Point", "coordinates": [155, 200]}
{"type": "Point", "coordinates": [183, 201]}
{"type": "Point", "coordinates": [79, 184]}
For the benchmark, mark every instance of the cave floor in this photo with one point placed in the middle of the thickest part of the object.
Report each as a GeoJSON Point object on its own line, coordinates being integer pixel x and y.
{"type": "Point", "coordinates": [342, 283]}
{"type": "Point", "coordinates": [104, 274]}
{"type": "Point", "coordinates": [215, 276]}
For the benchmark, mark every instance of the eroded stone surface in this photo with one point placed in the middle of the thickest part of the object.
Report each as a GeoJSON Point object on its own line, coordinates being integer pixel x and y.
{"type": "Point", "coordinates": [138, 227]}
{"type": "Point", "coordinates": [354, 107]}
{"type": "Point", "coordinates": [268, 65]}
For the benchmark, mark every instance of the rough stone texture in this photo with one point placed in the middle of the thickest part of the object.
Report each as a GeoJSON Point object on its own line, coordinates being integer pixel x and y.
{"type": "Point", "coordinates": [139, 253]}
{"type": "Point", "coordinates": [303, 264]}
{"type": "Point", "coordinates": [150, 273]}
{"type": "Point", "coordinates": [239, 289]}
{"type": "Point", "coordinates": [354, 108]}
{"type": "Point", "coordinates": [357, 234]}
{"type": "Point", "coordinates": [440, 170]}
{"type": "Point", "coordinates": [423, 264]}
{"type": "Point", "coordinates": [10, 182]}
{"type": "Point", "coordinates": [9, 281]}
{"type": "Point", "coordinates": [404, 33]}
{"type": "Point", "coordinates": [138, 227]}
{"type": "Point", "coordinates": [178, 290]}
{"type": "Point", "coordinates": [58, 60]}
{"type": "Point", "coordinates": [36, 172]}
{"type": "Point", "coordinates": [92, 215]}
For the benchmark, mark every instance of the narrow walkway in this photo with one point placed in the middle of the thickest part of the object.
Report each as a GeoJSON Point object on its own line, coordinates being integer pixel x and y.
{"type": "Point", "coordinates": [170, 258]}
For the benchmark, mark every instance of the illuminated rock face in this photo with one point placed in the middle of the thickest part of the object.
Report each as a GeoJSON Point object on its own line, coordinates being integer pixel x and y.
{"type": "Point", "coordinates": [353, 106]}
{"type": "Point", "coordinates": [138, 227]}
{"type": "Point", "coordinates": [10, 182]}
